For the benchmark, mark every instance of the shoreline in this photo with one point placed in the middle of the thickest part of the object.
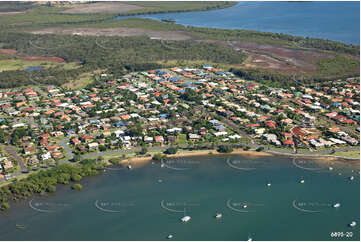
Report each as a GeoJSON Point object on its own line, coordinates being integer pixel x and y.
{"type": "Point", "coordinates": [321, 159]}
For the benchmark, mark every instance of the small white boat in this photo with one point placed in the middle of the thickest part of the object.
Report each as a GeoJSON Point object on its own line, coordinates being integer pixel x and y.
{"type": "Point", "coordinates": [218, 215]}
{"type": "Point", "coordinates": [170, 236]}
{"type": "Point", "coordinates": [337, 205]}
{"type": "Point", "coordinates": [330, 168]}
{"type": "Point", "coordinates": [162, 165]}
{"type": "Point", "coordinates": [185, 219]}
{"type": "Point", "coordinates": [160, 180]}
{"type": "Point", "coordinates": [269, 184]}
{"type": "Point", "coordinates": [249, 239]}
{"type": "Point", "coordinates": [351, 178]}
{"type": "Point", "coordinates": [245, 206]}
{"type": "Point", "coordinates": [352, 224]}
{"type": "Point", "coordinates": [129, 167]}
{"type": "Point", "coordinates": [302, 181]}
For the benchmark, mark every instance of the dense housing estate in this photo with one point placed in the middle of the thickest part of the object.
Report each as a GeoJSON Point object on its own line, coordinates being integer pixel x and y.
{"type": "Point", "coordinates": [173, 107]}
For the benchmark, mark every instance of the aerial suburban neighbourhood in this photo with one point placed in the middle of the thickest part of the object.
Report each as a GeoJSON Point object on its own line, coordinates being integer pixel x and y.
{"type": "Point", "coordinates": [178, 107]}
{"type": "Point", "coordinates": [179, 120]}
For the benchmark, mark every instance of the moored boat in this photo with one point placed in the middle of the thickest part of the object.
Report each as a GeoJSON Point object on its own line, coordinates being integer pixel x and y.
{"type": "Point", "coordinates": [353, 224]}
{"type": "Point", "coordinates": [185, 218]}
{"type": "Point", "coordinates": [337, 205]}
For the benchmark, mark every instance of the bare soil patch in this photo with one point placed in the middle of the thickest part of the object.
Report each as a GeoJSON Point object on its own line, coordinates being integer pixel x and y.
{"type": "Point", "coordinates": [7, 51]}
{"type": "Point", "coordinates": [121, 31]}
{"type": "Point", "coordinates": [102, 7]}
{"type": "Point", "coordinates": [10, 13]}
{"type": "Point", "coordinates": [43, 58]}
{"type": "Point", "coordinates": [21, 23]}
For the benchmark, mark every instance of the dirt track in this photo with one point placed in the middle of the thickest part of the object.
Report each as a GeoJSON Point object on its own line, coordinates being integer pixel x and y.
{"type": "Point", "coordinates": [121, 31]}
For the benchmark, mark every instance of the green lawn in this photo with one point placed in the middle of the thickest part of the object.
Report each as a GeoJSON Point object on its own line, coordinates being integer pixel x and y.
{"type": "Point", "coordinates": [348, 154]}
{"type": "Point", "coordinates": [182, 139]}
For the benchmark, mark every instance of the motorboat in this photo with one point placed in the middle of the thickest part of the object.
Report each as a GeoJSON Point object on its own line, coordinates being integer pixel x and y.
{"type": "Point", "coordinates": [249, 239]}
{"type": "Point", "coordinates": [185, 219]}
{"type": "Point", "coordinates": [352, 178]}
{"type": "Point", "coordinates": [302, 181]}
{"type": "Point", "coordinates": [353, 224]}
{"type": "Point", "coordinates": [330, 168]}
{"type": "Point", "coordinates": [245, 206]}
{"type": "Point", "coordinates": [20, 226]}
{"type": "Point", "coordinates": [337, 205]}
{"type": "Point", "coordinates": [129, 167]}
{"type": "Point", "coordinates": [269, 184]}
{"type": "Point", "coordinates": [170, 236]}
{"type": "Point", "coordinates": [218, 215]}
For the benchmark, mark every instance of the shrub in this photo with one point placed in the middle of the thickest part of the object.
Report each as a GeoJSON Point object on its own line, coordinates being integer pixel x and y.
{"type": "Point", "coordinates": [77, 187]}
{"type": "Point", "coordinates": [4, 206]}
{"type": "Point", "coordinates": [259, 149]}
{"type": "Point", "coordinates": [159, 157]}
{"type": "Point", "coordinates": [114, 161]}
{"type": "Point", "coordinates": [76, 177]}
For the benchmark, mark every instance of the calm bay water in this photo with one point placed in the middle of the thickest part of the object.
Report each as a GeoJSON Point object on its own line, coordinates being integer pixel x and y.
{"type": "Point", "coordinates": [339, 21]}
{"type": "Point", "coordinates": [147, 203]}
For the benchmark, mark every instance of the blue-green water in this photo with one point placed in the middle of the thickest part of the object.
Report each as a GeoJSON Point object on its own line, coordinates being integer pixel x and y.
{"type": "Point", "coordinates": [147, 203]}
{"type": "Point", "coordinates": [339, 21]}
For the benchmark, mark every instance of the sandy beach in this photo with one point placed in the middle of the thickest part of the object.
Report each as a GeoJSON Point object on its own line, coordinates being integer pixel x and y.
{"type": "Point", "coordinates": [322, 160]}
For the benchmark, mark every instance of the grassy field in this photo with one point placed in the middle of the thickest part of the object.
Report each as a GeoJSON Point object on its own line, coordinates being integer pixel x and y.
{"type": "Point", "coordinates": [18, 64]}
{"type": "Point", "coordinates": [176, 6]}
{"type": "Point", "coordinates": [348, 154]}
{"type": "Point", "coordinates": [83, 80]}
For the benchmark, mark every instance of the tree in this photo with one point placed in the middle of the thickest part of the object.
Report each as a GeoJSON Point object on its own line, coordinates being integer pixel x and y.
{"type": "Point", "coordinates": [76, 177]}
{"type": "Point", "coordinates": [259, 149]}
{"type": "Point", "coordinates": [143, 151]}
{"type": "Point", "coordinates": [159, 157]}
{"type": "Point", "coordinates": [76, 158]}
{"type": "Point", "coordinates": [51, 189]}
{"type": "Point", "coordinates": [171, 150]}
{"type": "Point", "coordinates": [77, 187]}
{"type": "Point", "coordinates": [224, 149]}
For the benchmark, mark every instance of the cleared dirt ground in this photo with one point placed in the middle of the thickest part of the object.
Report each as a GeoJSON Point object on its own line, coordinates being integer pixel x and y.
{"type": "Point", "coordinates": [271, 57]}
{"type": "Point", "coordinates": [43, 58]}
{"type": "Point", "coordinates": [121, 31]}
{"type": "Point", "coordinates": [102, 7]}
{"type": "Point", "coordinates": [7, 51]}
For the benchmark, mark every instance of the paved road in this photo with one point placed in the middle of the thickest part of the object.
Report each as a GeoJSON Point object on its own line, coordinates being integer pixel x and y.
{"type": "Point", "coordinates": [14, 153]}
{"type": "Point", "coordinates": [64, 143]}
{"type": "Point", "coordinates": [70, 155]}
